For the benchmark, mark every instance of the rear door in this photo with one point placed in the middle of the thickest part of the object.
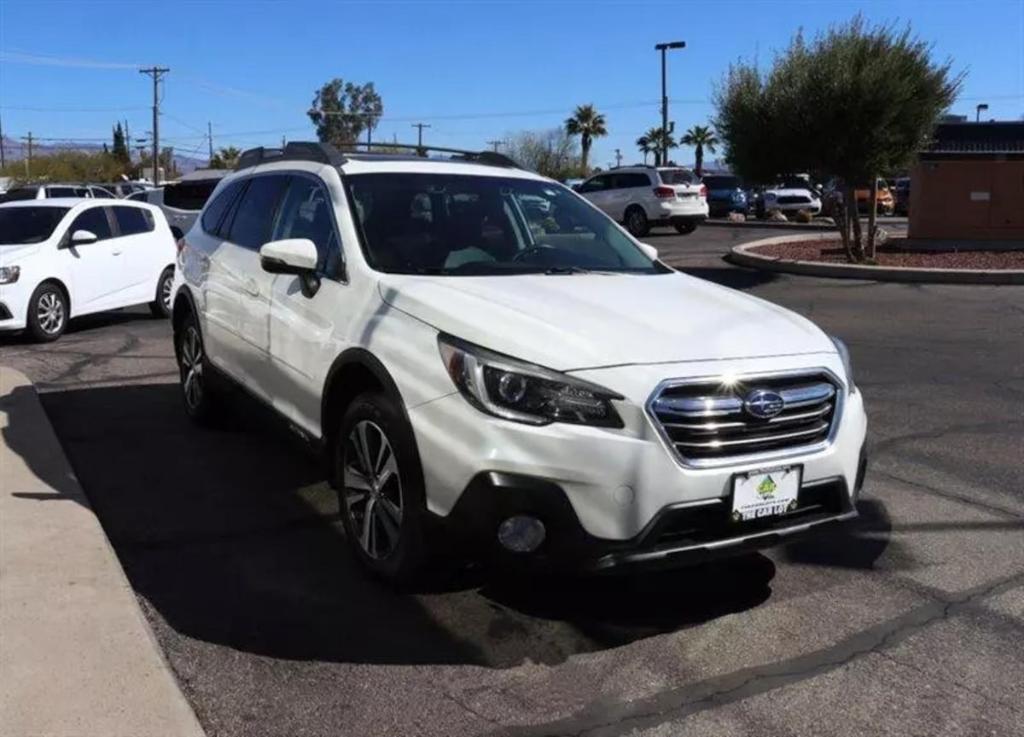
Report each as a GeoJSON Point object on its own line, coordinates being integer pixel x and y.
{"type": "Point", "coordinates": [143, 258]}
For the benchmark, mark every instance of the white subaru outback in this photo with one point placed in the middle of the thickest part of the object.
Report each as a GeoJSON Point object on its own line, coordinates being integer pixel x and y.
{"type": "Point", "coordinates": [483, 356]}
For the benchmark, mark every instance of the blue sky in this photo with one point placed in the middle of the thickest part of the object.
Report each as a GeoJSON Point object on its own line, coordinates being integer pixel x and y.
{"type": "Point", "coordinates": [474, 71]}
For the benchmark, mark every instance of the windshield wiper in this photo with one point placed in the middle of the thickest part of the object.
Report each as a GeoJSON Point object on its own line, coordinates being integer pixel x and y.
{"type": "Point", "coordinates": [566, 270]}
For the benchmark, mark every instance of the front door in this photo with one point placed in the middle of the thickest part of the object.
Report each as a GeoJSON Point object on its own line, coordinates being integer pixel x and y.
{"type": "Point", "coordinates": [97, 269]}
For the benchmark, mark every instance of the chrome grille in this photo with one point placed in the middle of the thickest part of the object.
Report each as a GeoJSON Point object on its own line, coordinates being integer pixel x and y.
{"type": "Point", "coordinates": [707, 421]}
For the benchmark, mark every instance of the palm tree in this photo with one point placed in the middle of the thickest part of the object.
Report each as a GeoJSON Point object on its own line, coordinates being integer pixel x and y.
{"type": "Point", "coordinates": [700, 137]}
{"type": "Point", "coordinates": [588, 124]}
{"type": "Point", "coordinates": [644, 144]}
{"type": "Point", "coordinates": [659, 140]}
{"type": "Point", "coordinates": [225, 158]}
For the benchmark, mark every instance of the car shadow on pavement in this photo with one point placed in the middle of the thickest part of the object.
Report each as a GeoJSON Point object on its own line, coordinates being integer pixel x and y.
{"type": "Point", "coordinates": [86, 323]}
{"type": "Point", "coordinates": [232, 538]}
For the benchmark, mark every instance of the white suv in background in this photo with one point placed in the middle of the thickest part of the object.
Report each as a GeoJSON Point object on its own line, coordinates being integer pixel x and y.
{"type": "Point", "coordinates": [643, 196]}
{"type": "Point", "coordinates": [483, 357]}
{"type": "Point", "coordinates": [61, 258]}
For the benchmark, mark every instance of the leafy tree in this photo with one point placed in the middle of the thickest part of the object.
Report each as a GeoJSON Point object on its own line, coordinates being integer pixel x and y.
{"type": "Point", "coordinates": [700, 137]}
{"type": "Point", "coordinates": [853, 103]}
{"type": "Point", "coordinates": [119, 149]}
{"type": "Point", "coordinates": [225, 158]}
{"type": "Point", "coordinates": [342, 111]}
{"type": "Point", "coordinates": [644, 144]}
{"type": "Point", "coordinates": [552, 153]}
{"type": "Point", "coordinates": [659, 141]}
{"type": "Point", "coordinates": [588, 124]}
{"type": "Point", "coordinates": [67, 166]}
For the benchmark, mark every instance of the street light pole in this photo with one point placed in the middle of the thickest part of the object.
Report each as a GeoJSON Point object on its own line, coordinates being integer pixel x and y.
{"type": "Point", "coordinates": [664, 47]}
{"type": "Point", "coordinates": [977, 112]}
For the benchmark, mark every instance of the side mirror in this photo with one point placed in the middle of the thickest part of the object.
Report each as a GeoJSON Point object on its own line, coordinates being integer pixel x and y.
{"type": "Point", "coordinates": [83, 238]}
{"type": "Point", "coordinates": [295, 256]}
{"type": "Point", "coordinates": [651, 251]}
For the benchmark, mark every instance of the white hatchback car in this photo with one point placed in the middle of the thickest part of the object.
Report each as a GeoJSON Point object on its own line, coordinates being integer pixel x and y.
{"type": "Point", "coordinates": [483, 356]}
{"type": "Point", "coordinates": [61, 258]}
{"type": "Point", "coordinates": [643, 196]}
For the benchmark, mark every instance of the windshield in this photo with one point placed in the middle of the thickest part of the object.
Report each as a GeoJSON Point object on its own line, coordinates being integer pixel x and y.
{"type": "Point", "coordinates": [21, 225]}
{"type": "Point", "coordinates": [472, 225]}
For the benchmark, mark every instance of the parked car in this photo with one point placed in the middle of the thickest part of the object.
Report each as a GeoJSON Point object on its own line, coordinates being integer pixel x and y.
{"type": "Point", "coordinates": [787, 200]}
{"type": "Point", "coordinates": [901, 196]}
{"type": "Point", "coordinates": [543, 389]}
{"type": "Point", "coordinates": [124, 189]}
{"type": "Point", "coordinates": [725, 194]}
{"type": "Point", "coordinates": [885, 201]}
{"type": "Point", "coordinates": [183, 200]}
{"type": "Point", "coordinates": [44, 191]}
{"type": "Point", "coordinates": [61, 258]}
{"type": "Point", "coordinates": [643, 196]}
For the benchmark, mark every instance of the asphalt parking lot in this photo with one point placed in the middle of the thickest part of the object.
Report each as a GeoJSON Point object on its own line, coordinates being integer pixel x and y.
{"type": "Point", "coordinates": [908, 622]}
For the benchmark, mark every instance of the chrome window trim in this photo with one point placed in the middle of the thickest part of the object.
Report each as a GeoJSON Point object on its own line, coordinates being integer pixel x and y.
{"type": "Point", "coordinates": [743, 459]}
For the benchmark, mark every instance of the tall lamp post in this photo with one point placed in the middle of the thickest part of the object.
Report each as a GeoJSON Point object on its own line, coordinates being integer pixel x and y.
{"type": "Point", "coordinates": [664, 95]}
{"type": "Point", "coordinates": [977, 112]}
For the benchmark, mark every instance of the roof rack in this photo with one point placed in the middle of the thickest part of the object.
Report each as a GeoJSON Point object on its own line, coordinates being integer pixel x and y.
{"type": "Point", "coordinates": [322, 153]}
{"type": "Point", "coordinates": [325, 153]}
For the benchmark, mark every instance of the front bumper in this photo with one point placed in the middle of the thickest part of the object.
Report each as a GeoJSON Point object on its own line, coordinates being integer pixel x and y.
{"type": "Point", "coordinates": [615, 481]}
{"type": "Point", "coordinates": [680, 534]}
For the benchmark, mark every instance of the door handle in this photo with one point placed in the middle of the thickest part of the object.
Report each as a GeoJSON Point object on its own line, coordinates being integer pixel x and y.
{"type": "Point", "coordinates": [117, 253]}
{"type": "Point", "coordinates": [252, 287]}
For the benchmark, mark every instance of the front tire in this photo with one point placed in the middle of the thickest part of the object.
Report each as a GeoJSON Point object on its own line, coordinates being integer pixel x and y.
{"type": "Point", "coordinates": [202, 403]}
{"type": "Point", "coordinates": [161, 306]}
{"type": "Point", "coordinates": [47, 313]}
{"type": "Point", "coordinates": [380, 488]}
{"type": "Point", "coordinates": [636, 222]}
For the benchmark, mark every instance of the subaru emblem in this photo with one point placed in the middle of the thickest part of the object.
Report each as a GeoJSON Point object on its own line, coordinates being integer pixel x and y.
{"type": "Point", "coordinates": [763, 403]}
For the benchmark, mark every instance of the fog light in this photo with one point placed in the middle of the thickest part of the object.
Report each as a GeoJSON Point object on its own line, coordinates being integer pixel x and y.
{"type": "Point", "coordinates": [521, 534]}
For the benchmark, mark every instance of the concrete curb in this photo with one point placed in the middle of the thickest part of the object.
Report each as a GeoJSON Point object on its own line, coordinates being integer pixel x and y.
{"type": "Point", "coordinates": [767, 224]}
{"type": "Point", "coordinates": [77, 656]}
{"type": "Point", "coordinates": [742, 256]}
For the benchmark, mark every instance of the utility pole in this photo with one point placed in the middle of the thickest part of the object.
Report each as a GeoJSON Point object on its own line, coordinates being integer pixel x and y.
{"type": "Point", "coordinates": [28, 159]}
{"type": "Point", "coordinates": [127, 141]}
{"type": "Point", "coordinates": [3, 160]}
{"type": "Point", "coordinates": [209, 137]}
{"type": "Point", "coordinates": [419, 138]}
{"type": "Point", "coordinates": [156, 73]}
{"type": "Point", "coordinates": [618, 157]}
{"type": "Point", "coordinates": [495, 143]}
{"type": "Point", "coordinates": [664, 96]}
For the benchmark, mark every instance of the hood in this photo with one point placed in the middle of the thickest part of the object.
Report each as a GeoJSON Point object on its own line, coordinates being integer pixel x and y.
{"type": "Point", "coordinates": [579, 321]}
{"type": "Point", "coordinates": [11, 254]}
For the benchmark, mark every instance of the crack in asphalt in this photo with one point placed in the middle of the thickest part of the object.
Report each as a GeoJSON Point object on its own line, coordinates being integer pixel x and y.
{"type": "Point", "coordinates": [747, 682]}
{"type": "Point", "coordinates": [992, 508]}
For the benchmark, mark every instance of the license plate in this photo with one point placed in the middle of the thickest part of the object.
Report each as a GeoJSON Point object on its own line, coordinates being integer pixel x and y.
{"type": "Point", "coordinates": [765, 493]}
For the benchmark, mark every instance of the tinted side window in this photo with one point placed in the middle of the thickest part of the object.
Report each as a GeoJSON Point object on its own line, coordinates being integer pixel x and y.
{"type": "Point", "coordinates": [306, 213]}
{"type": "Point", "coordinates": [251, 225]}
{"type": "Point", "coordinates": [101, 193]}
{"type": "Point", "coordinates": [213, 215]}
{"type": "Point", "coordinates": [61, 192]}
{"type": "Point", "coordinates": [189, 195]}
{"type": "Point", "coordinates": [19, 193]}
{"type": "Point", "coordinates": [95, 221]}
{"type": "Point", "coordinates": [596, 184]}
{"type": "Point", "coordinates": [132, 220]}
{"type": "Point", "coordinates": [630, 181]}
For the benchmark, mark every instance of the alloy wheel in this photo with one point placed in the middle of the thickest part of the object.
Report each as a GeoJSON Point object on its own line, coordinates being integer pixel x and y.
{"type": "Point", "coordinates": [637, 220]}
{"type": "Point", "coordinates": [165, 293]}
{"type": "Point", "coordinates": [372, 489]}
{"type": "Point", "coordinates": [192, 367]}
{"type": "Point", "coordinates": [50, 313]}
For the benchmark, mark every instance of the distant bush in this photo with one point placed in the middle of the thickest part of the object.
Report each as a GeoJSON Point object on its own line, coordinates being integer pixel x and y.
{"type": "Point", "coordinates": [803, 216]}
{"type": "Point", "coordinates": [68, 166]}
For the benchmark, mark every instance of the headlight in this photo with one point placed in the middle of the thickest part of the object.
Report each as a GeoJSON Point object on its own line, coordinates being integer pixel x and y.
{"type": "Point", "coordinates": [9, 274]}
{"type": "Point", "coordinates": [522, 392]}
{"type": "Point", "coordinates": [844, 354]}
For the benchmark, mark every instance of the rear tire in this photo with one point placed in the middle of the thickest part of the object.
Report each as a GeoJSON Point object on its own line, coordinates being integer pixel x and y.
{"type": "Point", "coordinates": [47, 313]}
{"type": "Point", "coordinates": [380, 489]}
{"type": "Point", "coordinates": [685, 228]}
{"type": "Point", "coordinates": [161, 306]}
{"type": "Point", "coordinates": [198, 388]}
{"type": "Point", "coordinates": [636, 221]}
